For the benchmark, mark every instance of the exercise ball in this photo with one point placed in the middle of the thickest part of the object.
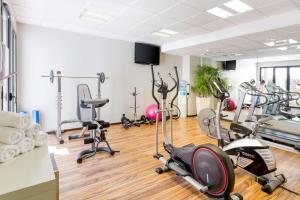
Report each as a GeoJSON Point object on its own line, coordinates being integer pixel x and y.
{"type": "Point", "coordinates": [151, 112]}
{"type": "Point", "coordinates": [229, 104]}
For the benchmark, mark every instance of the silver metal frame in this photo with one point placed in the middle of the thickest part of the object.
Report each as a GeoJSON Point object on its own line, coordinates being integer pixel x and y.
{"type": "Point", "coordinates": [59, 78]}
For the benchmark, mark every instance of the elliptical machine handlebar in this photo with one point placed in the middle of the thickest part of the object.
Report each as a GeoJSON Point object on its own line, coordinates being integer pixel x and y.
{"type": "Point", "coordinates": [163, 84]}
{"type": "Point", "coordinates": [175, 86]}
{"type": "Point", "coordinates": [153, 86]}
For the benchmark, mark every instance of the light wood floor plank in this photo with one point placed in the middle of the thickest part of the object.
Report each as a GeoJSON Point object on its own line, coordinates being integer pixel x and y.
{"type": "Point", "coordinates": [130, 173]}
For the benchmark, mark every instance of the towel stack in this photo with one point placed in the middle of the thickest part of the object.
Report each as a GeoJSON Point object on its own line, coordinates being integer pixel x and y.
{"type": "Point", "coordinates": [17, 136]}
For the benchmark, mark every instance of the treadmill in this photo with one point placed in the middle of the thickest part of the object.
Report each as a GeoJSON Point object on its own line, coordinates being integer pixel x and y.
{"type": "Point", "coordinates": [282, 107]}
{"type": "Point", "coordinates": [284, 134]}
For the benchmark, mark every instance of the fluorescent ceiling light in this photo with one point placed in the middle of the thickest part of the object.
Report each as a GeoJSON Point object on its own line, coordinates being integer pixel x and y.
{"type": "Point", "coordinates": [281, 42]}
{"type": "Point", "coordinates": [219, 12]}
{"type": "Point", "coordinates": [292, 41]}
{"type": "Point", "coordinates": [160, 34]}
{"type": "Point", "coordinates": [238, 6]}
{"type": "Point", "coordinates": [270, 44]}
{"type": "Point", "coordinates": [93, 16]}
{"type": "Point", "coordinates": [282, 48]}
{"type": "Point", "coordinates": [168, 31]}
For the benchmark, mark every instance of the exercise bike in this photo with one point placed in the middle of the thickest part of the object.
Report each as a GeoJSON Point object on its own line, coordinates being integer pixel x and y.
{"type": "Point", "coordinates": [206, 167]}
{"type": "Point", "coordinates": [245, 152]}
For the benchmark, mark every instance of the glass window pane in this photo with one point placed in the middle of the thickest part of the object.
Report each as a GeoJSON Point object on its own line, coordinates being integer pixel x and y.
{"type": "Point", "coordinates": [294, 82]}
{"type": "Point", "coordinates": [267, 75]}
{"type": "Point", "coordinates": [295, 79]}
{"type": "Point", "coordinates": [281, 77]}
{"type": "Point", "coordinates": [5, 27]}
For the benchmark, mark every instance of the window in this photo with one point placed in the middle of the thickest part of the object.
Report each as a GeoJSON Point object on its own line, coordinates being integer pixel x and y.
{"type": "Point", "coordinates": [9, 86]}
{"type": "Point", "coordinates": [287, 77]}
{"type": "Point", "coordinates": [266, 74]}
{"type": "Point", "coordinates": [295, 79]}
{"type": "Point", "coordinates": [281, 77]}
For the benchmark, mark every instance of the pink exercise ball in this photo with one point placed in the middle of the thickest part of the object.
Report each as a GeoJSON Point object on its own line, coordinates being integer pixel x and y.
{"type": "Point", "coordinates": [151, 112]}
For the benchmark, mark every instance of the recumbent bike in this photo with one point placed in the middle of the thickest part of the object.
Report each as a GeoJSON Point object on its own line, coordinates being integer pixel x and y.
{"type": "Point", "coordinates": [243, 148]}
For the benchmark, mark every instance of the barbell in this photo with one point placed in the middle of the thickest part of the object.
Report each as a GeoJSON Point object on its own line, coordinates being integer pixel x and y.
{"type": "Point", "coordinates": [101, 76]}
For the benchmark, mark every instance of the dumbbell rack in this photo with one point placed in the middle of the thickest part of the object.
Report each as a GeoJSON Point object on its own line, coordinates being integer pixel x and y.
{"type": "Point", "coordinates": [135, 121]}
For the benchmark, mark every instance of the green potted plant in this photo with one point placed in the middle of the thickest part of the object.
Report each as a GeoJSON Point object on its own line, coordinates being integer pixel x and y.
{"type": "Point", "coordinates": [200, 87]}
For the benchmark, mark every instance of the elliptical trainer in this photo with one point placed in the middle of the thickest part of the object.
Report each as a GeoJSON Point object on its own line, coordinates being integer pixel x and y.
{"type": "Point", "coordinates": [206, 166]}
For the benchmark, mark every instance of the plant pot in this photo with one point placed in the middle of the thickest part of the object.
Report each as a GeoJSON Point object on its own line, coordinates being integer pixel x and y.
{"type": "Point", "coordinates": [203, 102]}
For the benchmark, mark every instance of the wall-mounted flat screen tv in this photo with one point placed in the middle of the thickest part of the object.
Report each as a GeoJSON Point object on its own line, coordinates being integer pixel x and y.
{"type": "Point", "coordinates": [146, 54]}
{"type": "Point", "coordinates": [229, 65]}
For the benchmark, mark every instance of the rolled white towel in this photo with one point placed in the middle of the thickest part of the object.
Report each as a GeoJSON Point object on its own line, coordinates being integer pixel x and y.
{"type": "Point", "coordinates": [8, 152]}
{"type": "Point", "coordinates": [26, 145]}
{"type": "Point", "coordinates": [41, 139]}
{"type": "Point", "coordinates": [14, 120]}
{"type": "Point", "coordinates": [10, 135]}
{"type": "Point", "coordinates": [32, 131]}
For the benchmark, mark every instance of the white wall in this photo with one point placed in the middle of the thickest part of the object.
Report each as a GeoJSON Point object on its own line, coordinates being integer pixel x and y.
{"type": "Point", "coordinates": [43, 49]}
{"type": "Point", "coordinates": [189, 65]}
{"type": "Point", "coordinates": [245, 71]}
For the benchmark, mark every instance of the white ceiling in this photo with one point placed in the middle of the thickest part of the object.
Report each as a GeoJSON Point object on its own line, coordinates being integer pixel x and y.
{"type": "Point", "coordinates": [136, 20]}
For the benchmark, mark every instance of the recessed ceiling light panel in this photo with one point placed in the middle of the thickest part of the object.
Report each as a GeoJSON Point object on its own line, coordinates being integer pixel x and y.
{"type": "Point", "coordinates": [160, 34]}
{"type": "Point", "coordinates": [93, 16]}
{"type": "Point", "coordinates": [292, 41]}
{"type": "Point", "coordinates": [168, 31]}
{"type": "Point", "coordinates": [270, 44]}
{"type": "Point", "coordinates": [219, 12]}
{"type": "Point", "coordinates": [238, 6]}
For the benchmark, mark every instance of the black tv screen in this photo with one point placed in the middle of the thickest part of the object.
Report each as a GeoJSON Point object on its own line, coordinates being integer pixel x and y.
{"type": "Point", "coordinates": [146, 54]}
{"type": "Point", "coordinates": [229, 65]}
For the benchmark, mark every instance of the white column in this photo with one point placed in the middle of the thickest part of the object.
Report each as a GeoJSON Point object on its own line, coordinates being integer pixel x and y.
{"type": "Point", "coordinates": [187, 104]}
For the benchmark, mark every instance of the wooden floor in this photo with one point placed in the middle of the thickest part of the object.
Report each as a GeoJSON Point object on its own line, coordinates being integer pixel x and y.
{"type": "Point", "coordinates": [130, 173]}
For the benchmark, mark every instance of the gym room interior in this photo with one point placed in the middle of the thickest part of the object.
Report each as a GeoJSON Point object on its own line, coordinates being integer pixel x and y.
{"type": "Point", "coordinates": [149, 99]}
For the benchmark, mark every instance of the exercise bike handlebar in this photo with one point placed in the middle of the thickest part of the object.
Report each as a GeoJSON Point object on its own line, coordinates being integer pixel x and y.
{"type": "Point", "coordinates": [221, 92]}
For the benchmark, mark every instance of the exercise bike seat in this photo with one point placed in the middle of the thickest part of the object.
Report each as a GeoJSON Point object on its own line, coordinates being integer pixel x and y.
{"type": "Point", "coordinates": [184, 153]}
